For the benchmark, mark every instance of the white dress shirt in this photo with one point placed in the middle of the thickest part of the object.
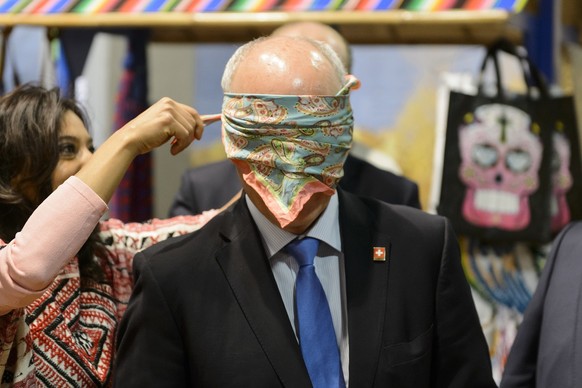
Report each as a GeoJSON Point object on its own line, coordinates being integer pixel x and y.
{"type": "Point", "coordinates": [329, 267]}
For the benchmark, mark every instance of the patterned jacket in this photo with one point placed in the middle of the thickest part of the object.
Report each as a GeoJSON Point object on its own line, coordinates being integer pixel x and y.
{"type": "Point", "coordinates": [67, 336]}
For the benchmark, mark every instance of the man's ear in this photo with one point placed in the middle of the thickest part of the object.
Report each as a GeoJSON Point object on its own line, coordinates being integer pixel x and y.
{"type": "Point", "coordinates": [351, 83]}
{"type": "Point", "coordinates": [354, 82]}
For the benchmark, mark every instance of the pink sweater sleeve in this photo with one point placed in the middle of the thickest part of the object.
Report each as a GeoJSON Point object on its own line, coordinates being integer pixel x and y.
{"type": "Point", "coordinates": [51, 237]}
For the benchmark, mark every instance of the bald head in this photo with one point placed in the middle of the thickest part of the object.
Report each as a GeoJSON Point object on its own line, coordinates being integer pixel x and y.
{"type": "Point", "coordinates": [320, 32]}
{"type": "Point", "coordinates": [284, 65]}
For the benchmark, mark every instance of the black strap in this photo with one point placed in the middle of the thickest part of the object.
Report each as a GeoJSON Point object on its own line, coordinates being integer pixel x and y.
{"type": "Point", "coordinates": [531, 74]}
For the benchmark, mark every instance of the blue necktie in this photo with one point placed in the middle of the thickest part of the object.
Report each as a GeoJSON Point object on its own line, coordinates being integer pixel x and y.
{"type": "Point", "coordinates": [315, 326]}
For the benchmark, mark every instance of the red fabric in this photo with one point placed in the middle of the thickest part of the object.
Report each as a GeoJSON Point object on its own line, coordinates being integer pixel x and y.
{"type": "Point", "coordinates": [133, 199]}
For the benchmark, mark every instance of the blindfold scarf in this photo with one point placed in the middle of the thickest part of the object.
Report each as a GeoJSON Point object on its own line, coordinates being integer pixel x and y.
{"type": "Point", "coordinates": [288, 148]}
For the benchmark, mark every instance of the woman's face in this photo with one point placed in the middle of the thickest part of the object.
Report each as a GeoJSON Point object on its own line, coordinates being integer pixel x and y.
{"type": "Point", "coordinates": [75, 148]}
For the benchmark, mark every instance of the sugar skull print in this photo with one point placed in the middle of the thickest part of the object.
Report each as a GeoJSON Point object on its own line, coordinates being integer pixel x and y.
{"type": "Point", "coordinates": [500, 159]}
{"type": "Point", "coordinates": [561, 179]}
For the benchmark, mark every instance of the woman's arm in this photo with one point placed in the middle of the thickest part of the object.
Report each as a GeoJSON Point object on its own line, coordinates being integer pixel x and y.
{"type": "Point", "coordinates": [51, 237]}
{"type": "Point", "coordinates": [63, 222]}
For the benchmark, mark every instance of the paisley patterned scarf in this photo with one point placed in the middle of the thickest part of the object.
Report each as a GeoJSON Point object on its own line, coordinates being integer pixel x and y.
{"type": "Point", "coordinates": [288, 147]}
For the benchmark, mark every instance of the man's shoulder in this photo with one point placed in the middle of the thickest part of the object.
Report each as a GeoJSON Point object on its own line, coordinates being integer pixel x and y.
{"type": "Point", "coordinates": [574, 230]}
{"type": "Point", "coordinates": [220, 167]}
{"type": "Point", "coordinates": [363, 178]}
{"type": "Point", "coordinates": [206, 187]}
{"type": "Point", "coordinates": [394, 215]}
{"type": "Point", "coordinates": [365, 167]}
{"type": "Point", "coordinates": [570, 237]}
{"type": "Point", "coordinates": [182, 250]}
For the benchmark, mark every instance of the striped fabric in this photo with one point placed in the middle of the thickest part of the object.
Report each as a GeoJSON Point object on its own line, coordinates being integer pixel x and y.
{"type": "Point", "coordinates": [132, 200]}
{"type": "Point", "coordinates": [139, 6]}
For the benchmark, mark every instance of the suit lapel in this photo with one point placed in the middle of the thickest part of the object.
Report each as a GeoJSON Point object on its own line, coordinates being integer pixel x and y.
{"type": "Point", "coordinates": [246, 268]}
{"type": "Point", "coordinates": [366, 288]}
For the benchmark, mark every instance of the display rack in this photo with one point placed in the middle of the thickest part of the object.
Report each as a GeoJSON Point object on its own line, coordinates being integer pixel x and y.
{"type": "Point", "coordinates": [373, 27]}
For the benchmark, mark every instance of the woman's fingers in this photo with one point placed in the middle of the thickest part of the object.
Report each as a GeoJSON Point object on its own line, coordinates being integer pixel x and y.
{"type": "Point", "coordinates": [168, 119]}
{"type": "Point", "coordinates": [209, 119]}
{"type": "Point", "coordinates": [189, 126]}
{"type": "Point", "coordinates": [200, 121]}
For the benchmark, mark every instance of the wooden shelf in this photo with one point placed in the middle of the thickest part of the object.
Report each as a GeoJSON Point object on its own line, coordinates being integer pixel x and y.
{"type": "Point", "coordinates": [394, 26]}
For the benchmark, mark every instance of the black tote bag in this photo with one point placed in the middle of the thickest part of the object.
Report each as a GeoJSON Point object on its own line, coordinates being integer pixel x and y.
{"type": "Point", "coordinates": [497, 171]}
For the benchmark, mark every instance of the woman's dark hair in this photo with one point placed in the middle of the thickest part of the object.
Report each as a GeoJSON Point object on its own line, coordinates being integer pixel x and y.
{"type": "Point", "coordinates": [30, 122]}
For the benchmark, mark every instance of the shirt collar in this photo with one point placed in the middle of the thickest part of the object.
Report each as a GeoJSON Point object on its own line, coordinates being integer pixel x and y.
{"type": "Point", "coordinates": [325, 228]}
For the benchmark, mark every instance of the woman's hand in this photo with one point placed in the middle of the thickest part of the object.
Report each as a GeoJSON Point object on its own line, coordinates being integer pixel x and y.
{"type": "Point", "coordinates": [166, 119]}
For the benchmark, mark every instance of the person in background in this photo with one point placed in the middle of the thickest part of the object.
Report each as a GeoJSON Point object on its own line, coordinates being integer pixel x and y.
{"type": "Point", "coordinates": [299, 284]}
{"type": "Point", "coordinates": [66, 276]}
{"type": "Point", "coordinates": [548, 344]}
{"type": "Point", "coordinates": [211, 185]}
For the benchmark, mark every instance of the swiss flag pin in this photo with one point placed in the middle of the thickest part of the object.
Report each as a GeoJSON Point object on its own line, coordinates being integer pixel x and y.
{"type": "Point", "coordinates": [379, 254]}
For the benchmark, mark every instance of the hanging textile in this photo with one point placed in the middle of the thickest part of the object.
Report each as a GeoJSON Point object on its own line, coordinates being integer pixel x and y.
{"type": "Point", "coordinates": [133, 199]}
{"type": "Point", "coordinates": [27, 58]}
{"type": "Point", "coordinates": [73, 46]}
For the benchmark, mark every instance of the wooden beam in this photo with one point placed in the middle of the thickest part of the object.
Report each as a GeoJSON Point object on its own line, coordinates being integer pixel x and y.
{"type": "Point", "coordinates": [392, 27]}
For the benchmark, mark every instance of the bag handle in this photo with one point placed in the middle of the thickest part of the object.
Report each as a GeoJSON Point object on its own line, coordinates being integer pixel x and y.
{"type": "Point", "coordinates": [531, 74]}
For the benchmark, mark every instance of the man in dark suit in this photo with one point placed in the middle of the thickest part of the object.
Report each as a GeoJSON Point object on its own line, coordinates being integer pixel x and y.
{"type": "Point", "coordinates": [216, 308]}
{"type": "Point", "coordinates": [212, 185]}
{"type": "Point", "coordinates": [546, 351]}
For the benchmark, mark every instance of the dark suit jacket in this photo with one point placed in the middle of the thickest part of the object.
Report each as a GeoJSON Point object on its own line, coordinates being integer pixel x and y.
{"type": "Point", "coordinates": [206, 310]}
{"type": "Point", "coordinates": [212, 185]}
{"type": "Point", "coordinates": [547, 351]}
